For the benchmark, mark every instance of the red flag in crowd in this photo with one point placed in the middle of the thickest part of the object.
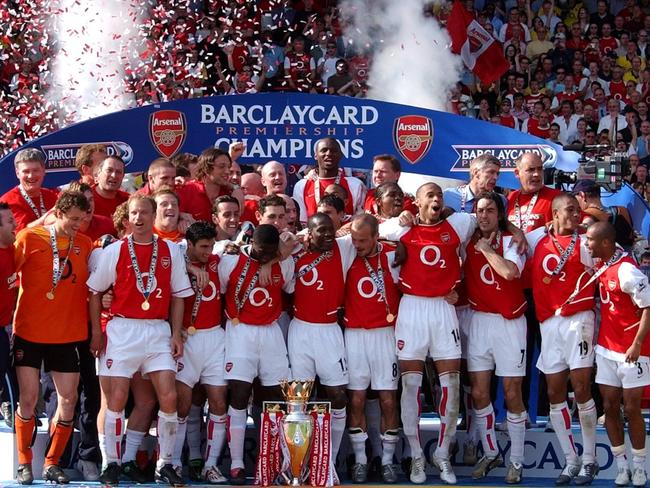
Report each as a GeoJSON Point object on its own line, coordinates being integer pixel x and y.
{"type": "Point", "coordinates": [481, 52]}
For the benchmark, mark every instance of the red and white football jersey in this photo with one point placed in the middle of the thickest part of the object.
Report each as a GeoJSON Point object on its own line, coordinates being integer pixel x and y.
{"type": "Point", "coordinates": [540, 215]}
{"type": "Point", "coordinates": [487, 291]}
{"type": "Point", "coordinates": [114, 269]}
{"type": "Point", "coordinates": [432, 267]}
{"type": "Point", "coordinates": [543, 259]}
{"type": "Point", "coordinates": [209, 312]}
{"type": "Point", "coordinates": [364, 306]}
{"type": "Point", "coordinates": [264, 303]}
{"type": "Point", "coordinates": [319, 293]}
{"type": "Point", "coordinates": [624, 291]}
{"type": "Point", "coordinates": [304, 192]}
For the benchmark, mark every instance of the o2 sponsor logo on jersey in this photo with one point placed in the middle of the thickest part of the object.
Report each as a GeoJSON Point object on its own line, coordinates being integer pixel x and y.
{"type": "Point", "coordinates": [413, 136]}
{"type": "Point", "coordinates": [61, 157]}
{"type": "Point", "coordinates": [167, 129]}
{"type": "Point", "coordinates": [506, 153]}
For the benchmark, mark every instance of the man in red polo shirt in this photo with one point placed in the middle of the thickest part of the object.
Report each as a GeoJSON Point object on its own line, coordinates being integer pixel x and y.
{"type": "Point", "coordinates": [29, 201]}
{"type": "Point", "coordinates": [106, 192]}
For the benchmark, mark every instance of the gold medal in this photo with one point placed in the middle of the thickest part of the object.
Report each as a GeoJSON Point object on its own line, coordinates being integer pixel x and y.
{"type": "Point", "coordinates": [235, 321]}
{"type": "Point", "coordinates": [49, 295]}
{"type": "Point", "coordinates": [191, 330]}
{"type": "Point", "coordinates": [145, 305]}
{"type": "Point", "coordinates": [546, 280]}
{"type": "Point", "coordinates": [390, 317]}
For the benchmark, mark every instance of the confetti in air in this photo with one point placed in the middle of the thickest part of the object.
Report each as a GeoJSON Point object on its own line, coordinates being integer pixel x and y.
{"type": "Point", "coordinates": [94, 42]}
{"type": "Point", "coordinates": [409, 66]}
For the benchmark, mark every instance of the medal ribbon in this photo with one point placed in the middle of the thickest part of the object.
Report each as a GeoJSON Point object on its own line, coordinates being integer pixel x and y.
{"type": "Point", "coordinates": [31, 203]}
{"type": "Point", "coordinates": [136, 269]}
{"type": "Point", "coordinates": [378, 280]}
{"type": "Point", "coordinates": [57, 269]}
{"type": "Point", "coordinates": [197, 299]}
{"type": "Point", "coordinates": [564, 253]}
{"type": "Point", "coordinates": [523, 225]}
{"type": "Point", "coordinates": [239, 303]}
{"type": "Point", "coordinates": [312, 265]}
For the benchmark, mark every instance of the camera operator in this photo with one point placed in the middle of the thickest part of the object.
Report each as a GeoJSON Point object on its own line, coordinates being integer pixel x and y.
{"type": "Point", "coordinates": [587, 192]}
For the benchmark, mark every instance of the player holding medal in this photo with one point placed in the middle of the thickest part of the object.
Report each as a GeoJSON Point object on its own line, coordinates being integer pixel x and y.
{"type": "Point", "coordinates": [144, 334]}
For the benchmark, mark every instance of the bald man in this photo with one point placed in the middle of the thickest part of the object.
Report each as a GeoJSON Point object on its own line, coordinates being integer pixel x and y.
{"type": "Point", "coordinates": [274, 181]}
{"type": "Point", "coordinates": [251, 185]}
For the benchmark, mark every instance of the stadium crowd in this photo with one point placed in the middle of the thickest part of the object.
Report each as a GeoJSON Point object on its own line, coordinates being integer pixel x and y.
{"type": "Point", "coordinates": [238, 241]}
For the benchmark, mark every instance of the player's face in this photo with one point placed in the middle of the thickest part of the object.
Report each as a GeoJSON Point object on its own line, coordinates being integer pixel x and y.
{"type": "Point", "coordinates": [167, 212]}
{"type": "Point", "coordinates": [363, 240]}
{"type": "Point", "coordinates": [487, 215]}
{"type": "Point", "coordinates": [276, 215]}
{"type": "Point", "coordinates": [141, 216]}
{"type": "Point", "coordinates": [292, 214]}
{"type": "Point", "coordinates": [274, 178]}
{"type": "Point", "coordinates": [322, 236]}
{"type": "Point", "coordinates": [429, 201]}
{"type": "Point", "coordinates": [567, 217]}
{"type": "Point", "coordinates": [392, 203]}
{"type": "Point", "coordinates": [486, 177]}
{"type": "Point", "coordinates": [337, 191]}
{"type": "Point", "coordinates": [30, 174]}
{"type": "Point", "coordinates": [220, 174]}
{"type": "Point", "coordinates": [110, 175]}
{"type": "Point", "coordinates": [7, 227]}
{"type": "Point", "coordinates": [594, 244]}
{"type": "Point", "coordinates": [332, 213]}
{"type": "Point", "coordinates": [201, 251]}
{"type": "Point", "coordinates": [162, 177]}
{"type": "Point", "coordinates": [235, 173]}
{"type": "Point", "coordinates": [227, 218]}
{"type": "Point", "coordinates": [382, 172]}
{"type": "Point", "coordinates": [71, 221]}
{"type": "Point", "coordinates": [530, 172]}
{"type": "Point", "coordinates": [328, 154]}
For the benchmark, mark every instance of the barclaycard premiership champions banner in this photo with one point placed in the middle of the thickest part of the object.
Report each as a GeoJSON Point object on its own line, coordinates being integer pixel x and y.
{"type": "Point", "coordinates": [285, 127]}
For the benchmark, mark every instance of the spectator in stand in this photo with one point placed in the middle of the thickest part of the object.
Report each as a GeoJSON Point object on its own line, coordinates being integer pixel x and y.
{"type": "Point", "coordinates": [567, 122]}
{"type": "Point", "coordinates": [613, 121]}
{"type": "Point", "coordinates": [602, 15]}
{"type": "Point", "coordinates": [505, 117]}
{"type": "Point", "coordinates": [299, 67]}
{"type": "Point", "coordinates": [607, 43]}
{"type": "Point", "coordinates": [540, 44]}
{"type": "Point", "coordinates": [342, 83]}
{"type": "Point", "coordinates": [560, 55]}
{"type": "Point", "coordinates": [543, 126]}
{"type": "Point", "coordinates": [506, 31]}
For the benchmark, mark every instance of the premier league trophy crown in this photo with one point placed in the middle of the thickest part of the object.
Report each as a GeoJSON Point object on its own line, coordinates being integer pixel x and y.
{"type": "Point", "coordinates": [297, 426]}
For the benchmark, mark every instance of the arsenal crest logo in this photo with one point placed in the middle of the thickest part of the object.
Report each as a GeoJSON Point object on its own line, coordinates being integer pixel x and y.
{"type": "Point", "coordinates": [413, 136]}
{"type": "Point", "coordinates": [109, 363]}
{"type": "Point", "coordinates": [165, 261]}
{"type": "Point", "coordinates": [179, 367]}
{"type": "Point", "coordinates": [276, 279]}
{"type": "Point", "coordinates": [445, 237]}
{"type": "Point", "coordinates": [400, 344]}
{"type": "Point", "coordinates": [167, 129]}
{"type": "Point", "coordinates": [612, 284]}
{"type": "Point", "coordinates": [213, 266]}
{"type": "Point", "coordinates": [228, 367]}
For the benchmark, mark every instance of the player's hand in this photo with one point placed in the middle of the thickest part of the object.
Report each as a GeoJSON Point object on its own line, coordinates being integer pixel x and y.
{"type": "Point", "coordinates": [96, 344]}
{"type": "Point", "coordinates": [236, 149]}
{"type": "Point", "coordinates": [177, 345]}
{"type": "Point", "coordinates": [231, 248]}
{"type": "Point", "coordinates": [344, 230]}
{"type": "Point", "coordinates": [184, 221]}
{"type": "Point", "coordinates": [201, 275]}
{"type": "Point", "coordinates": [288, 242]}
{"type": "Point", "coordinates": [107, 299]}
{"type": "Point", "coordinates": [406, 219]}
{"type": "Point", "coordinates": [264, 278]}
{"type": "Point", "coordinates": [519, 240]}
{"type": "Point", "coordinates": [452, 297]}
{"type": "Point", "coordinates": [485, 245]}
{"type": "Point", "coordinates": [633, 353]}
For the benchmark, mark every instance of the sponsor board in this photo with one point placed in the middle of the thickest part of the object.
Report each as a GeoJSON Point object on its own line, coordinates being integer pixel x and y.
{"type": "Point", "coordinates": [506, 153]}
{"type": "Point", "coordinates": [61, 157]}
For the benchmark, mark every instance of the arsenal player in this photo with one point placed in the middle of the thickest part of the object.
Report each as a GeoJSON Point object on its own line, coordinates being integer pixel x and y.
{"type": "Point", "coordinates": [371, 301]}
{"type": "Point", "coordinates": [87, 161]}
{"type": "Point", "coordinates": [161, 173]}
{"type": "Point", "coordinates": [212, 181]}
{"type": "Point", "coordinates": [203, 355]}
{"type": "Point", "coordinates": [225, 216]}
{"type": "Point", "coordinates": [106, 192]}
{"type": "Point", "coordinates": [94, 226]}
{"type": "Point", "coordinates": [274, 180]}
{"type": "Point", "coordinates": [315, 343]}
{"type": "Point", "coordinates": [496, 332]}
{"type": "Point", "coordinates": [309, 190]}
{"type": "Point", "coordinates": [272, 210]}
{"type": "Point", "coordinates": [167, 215]}
{"type": "Point", "coordinates": [29, 201]}
{"type": "Point", "coordinates": [50, 323]}
{"type": "Point", "coordinates": [622, 350]}
{"type": "Point", "coordinates": [564, 301]}
{"type": "Point", "coordinates": [149, 283]}
{"type": "Point", "coordinates": [255, 346]}
{"type": "Point", "coordinates": [427, 324]}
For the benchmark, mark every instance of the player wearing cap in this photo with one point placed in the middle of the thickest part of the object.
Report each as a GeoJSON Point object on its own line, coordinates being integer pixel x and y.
{"type": "Point", "coordinates": [149, 283]}
{"type": "Point", "coordinates": [29, 201]}
{"type": "Point", "coordinates": [255, 346]}
{"type": "Point", "coordinates": [51, 321]}
{"type": "Point", "coordinates": [427, 324]}
{"type": "Point", "coordinates": [564, 300]}
{"type": "Point", "coordinates": [315, 343]}
{"type": "Point", "coordinates": [204, 351]}
{"type": "Point", "coordinates": [371, 301]}
{"type": "Point", "coordinates": [622, 350]}
{"type": "Point", "coordinates": [496, 332]}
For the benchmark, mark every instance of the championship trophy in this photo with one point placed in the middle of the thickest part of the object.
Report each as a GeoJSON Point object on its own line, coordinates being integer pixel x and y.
{"type": "Point", "coordinates": [295, 439]}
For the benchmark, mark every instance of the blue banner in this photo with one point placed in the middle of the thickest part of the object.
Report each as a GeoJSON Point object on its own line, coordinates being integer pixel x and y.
{"type": "Point", "coordinates": [285, 127]}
